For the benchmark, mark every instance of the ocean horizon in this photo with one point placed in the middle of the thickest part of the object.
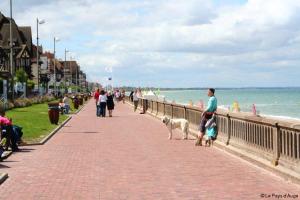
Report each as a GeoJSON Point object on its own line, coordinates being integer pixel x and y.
{"type": "Point", "coordinates": [278, 102]}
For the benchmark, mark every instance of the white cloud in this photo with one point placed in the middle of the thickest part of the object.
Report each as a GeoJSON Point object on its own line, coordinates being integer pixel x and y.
{"type": "Point", "coordinates": [146, 37]}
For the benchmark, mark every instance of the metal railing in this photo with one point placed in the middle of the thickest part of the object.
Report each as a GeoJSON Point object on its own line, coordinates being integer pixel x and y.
{"type": "Point", "coordinates": [271, 139]}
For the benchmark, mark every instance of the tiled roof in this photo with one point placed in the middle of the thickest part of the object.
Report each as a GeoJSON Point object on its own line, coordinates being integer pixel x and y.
{"type": "Point", "coordinates": [3, 19]}
{"type": "Point", "coordinates": [34, 52]}
{"type": "Point", "coordinates": [21, 35]}
{"type": "Point", "coordinates": [26, 33]}
{"type": "Point", "coordinates": [48, 54]}
{"type": "Point", "coordinates": [5, 31]}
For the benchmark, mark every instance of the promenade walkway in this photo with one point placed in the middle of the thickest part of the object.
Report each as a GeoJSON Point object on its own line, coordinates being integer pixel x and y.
{"type": "Point", "coordinates": [129, 157]}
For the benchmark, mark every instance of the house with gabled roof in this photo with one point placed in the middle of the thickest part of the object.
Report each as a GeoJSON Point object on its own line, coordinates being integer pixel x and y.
{"type": "Point", "coordinates": [4, 57]}
{"type": "Point", "coordinates": [22, 48]}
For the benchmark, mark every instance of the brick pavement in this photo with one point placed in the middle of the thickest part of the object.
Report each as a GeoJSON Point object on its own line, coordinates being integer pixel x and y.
{"type": "Point", "coordinates": [129, 157]}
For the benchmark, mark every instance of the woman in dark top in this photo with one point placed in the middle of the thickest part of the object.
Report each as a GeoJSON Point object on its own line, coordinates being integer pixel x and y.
{"type": "Point", "coordinates": [110, 103]}
{"type": "Point", "coordinates": [131, 96]}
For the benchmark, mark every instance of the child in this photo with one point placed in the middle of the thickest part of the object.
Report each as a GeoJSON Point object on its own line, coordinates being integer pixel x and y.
{"type": "Point", "coordinates": [211, 131]}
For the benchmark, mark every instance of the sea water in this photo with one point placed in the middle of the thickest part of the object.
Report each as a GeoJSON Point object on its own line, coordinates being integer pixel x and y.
{"type": "Point", "coordinates": [276, 102]}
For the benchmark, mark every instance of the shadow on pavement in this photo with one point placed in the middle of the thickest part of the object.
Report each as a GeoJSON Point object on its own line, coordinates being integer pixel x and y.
{"type": "Point", "coordinates": [81, 132]}
{"type": "Point", "coordinates": [24, 150]}
{"type": "Point", "coordinates": [3, 166]}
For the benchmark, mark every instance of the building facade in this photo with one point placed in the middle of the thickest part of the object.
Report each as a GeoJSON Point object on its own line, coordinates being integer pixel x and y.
{"type": "Point", "coordinates": [21, 46]}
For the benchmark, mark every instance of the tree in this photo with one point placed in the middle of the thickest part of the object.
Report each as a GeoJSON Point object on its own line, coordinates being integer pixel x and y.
{"type": "Point", "coordinates": [30, 84]}
{"type": "Point", "coordinates": [22, 77]}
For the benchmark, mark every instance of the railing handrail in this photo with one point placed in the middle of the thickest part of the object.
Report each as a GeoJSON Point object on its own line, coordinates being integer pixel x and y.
{"type": "Point", "coordinates": [240, 116]}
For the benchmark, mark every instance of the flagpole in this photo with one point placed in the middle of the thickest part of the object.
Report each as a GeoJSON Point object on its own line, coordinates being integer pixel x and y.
{"type": "Point", "coordinates": [112, 88]}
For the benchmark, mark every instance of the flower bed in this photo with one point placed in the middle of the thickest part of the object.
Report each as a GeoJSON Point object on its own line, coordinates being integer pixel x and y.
{"type": "Point", "coordinates": [25, 102]}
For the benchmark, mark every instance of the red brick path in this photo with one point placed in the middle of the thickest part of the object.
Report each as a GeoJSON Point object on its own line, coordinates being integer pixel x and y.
{"type": "Point", "coordinates": [129, 157]}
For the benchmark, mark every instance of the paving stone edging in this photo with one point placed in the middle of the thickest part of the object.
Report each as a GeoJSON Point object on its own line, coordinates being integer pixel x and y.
{"type": "Point", "coordinates": [4, 176]}
{"type": "Point", "coordinates": [55, 131]}
{"type": "Point", "coordinates": [43, 141]}
{"type": "Point", "coordinates": [78, 110]}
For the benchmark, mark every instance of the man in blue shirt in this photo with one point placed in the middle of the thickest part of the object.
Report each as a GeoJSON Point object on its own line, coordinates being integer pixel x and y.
{"type": "Point", "coordinates": [207, 114]}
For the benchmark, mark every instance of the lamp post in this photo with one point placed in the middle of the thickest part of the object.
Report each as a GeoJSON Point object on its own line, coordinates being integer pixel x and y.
{"type": "Point", "coordinates": [11, 53]}
{"type": "Point", "coordinates": [76, 79]}
{"type": "Point", "coordinates": [54, 64]}
{"type": "Point", "coordinates": [65, 64]}
{"type": "Point", "coordinates": [37, 50]}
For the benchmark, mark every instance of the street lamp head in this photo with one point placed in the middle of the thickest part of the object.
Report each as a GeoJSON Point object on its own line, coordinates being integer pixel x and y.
{"type": "Point", "coordinates": [42, 21]}
{"type": "Point", "coordinates": [56, 39]}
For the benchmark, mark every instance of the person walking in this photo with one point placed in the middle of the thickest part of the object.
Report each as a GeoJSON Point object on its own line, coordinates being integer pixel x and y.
{"type": "Point", "coordinates": [123, 96]}
{"type": "Point", "coordinates": [118, 95]}
{"type": "Point", "coordinates": [96, 97]}
{"type": "Point", "coordinates": [102, 103]}
{"type": "Point", "coordinates": [131, 96]}
{"type": "Point", "coordinates": [135, 98]}
{"type": "Point", "coordinates": [110, 103]}
{"type": "Point", "coordinates": [207, 114]}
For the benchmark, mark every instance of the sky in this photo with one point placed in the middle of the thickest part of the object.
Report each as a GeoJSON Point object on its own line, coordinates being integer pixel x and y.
{"type": "Point", "coordinates": [172, 43]}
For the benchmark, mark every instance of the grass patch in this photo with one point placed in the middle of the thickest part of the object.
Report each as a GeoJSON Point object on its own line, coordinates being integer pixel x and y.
{"type": "Point", "coordinates": [34, 120]}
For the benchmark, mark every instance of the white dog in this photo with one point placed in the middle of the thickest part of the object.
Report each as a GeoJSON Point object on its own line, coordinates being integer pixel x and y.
{"type": "Point", "coordinates": [183, 124]}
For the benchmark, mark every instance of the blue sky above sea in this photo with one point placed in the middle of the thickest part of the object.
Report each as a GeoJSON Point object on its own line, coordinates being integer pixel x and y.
{"type": "Point", "coordinates": [195, 43]}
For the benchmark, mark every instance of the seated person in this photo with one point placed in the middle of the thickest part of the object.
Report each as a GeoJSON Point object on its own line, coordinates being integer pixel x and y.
{"type": "Point", "coordinates": [17, 134]}
{"type": "Point", "coordinates": [66, 102]}
{"type": "Point", "coordinates": [7, 132]}
{"type": "Point", "coordinates": [61, 106]}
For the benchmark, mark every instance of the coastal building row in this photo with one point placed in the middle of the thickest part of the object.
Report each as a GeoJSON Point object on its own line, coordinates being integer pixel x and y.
{"type": "Point", "coordinates": [24, 57]}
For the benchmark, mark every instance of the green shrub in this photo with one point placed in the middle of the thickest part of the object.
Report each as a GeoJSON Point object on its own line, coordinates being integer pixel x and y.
{"type": "Point", "coordinates": [2, 106]}
{"type": "Point", "coordinates": [28, 102]}
{"type": "Point", "coordinates": [17, 103]}
{"type": "Point", "coordinates": [24, 102]}
{"type": "Point", "coordinates": [10, 105]}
